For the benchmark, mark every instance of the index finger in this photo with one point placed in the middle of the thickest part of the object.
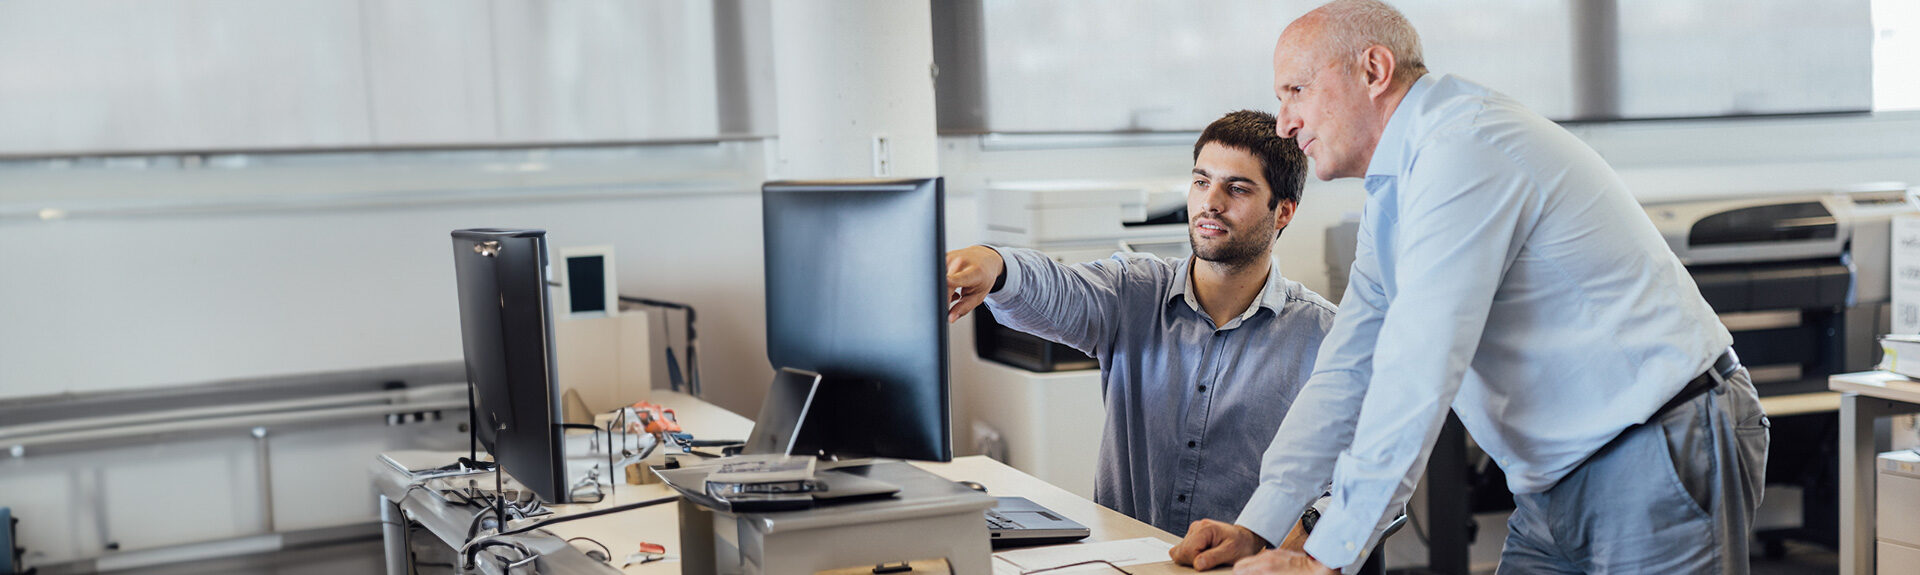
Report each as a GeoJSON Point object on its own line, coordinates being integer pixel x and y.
{"type": "Point", "coordinates": [956, 260]}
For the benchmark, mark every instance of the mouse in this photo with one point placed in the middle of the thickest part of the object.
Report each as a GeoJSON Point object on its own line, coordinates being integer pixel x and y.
{"type": "Point", "coordinates": [974, 485]}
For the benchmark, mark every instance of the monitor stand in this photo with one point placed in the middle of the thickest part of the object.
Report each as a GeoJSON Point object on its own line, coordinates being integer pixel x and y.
{"type": "Point", "coordinates": [931, 517]}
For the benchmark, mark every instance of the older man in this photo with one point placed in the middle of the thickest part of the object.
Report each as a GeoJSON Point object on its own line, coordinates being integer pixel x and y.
{"type": "Point", "coordinates": [1504, 270]}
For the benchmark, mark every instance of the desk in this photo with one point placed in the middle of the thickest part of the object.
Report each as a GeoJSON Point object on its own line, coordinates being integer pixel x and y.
{"type": "Point", "coordinates": [1800, 403]}
{"type": "Point", "coordinates": [1866, 396]}
{"type": "Point", "coordinates": [660, 524]}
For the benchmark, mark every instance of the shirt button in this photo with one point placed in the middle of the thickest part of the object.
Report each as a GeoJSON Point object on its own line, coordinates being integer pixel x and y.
{"type": "Point", "coordinates": [1349, 545]}
{"type": "Point", "coordinates": [1203, 388]}
{"type": "Point", "coordinates": [1193, 444]}
{"type": "Point", "coordinates": [1184, 498]}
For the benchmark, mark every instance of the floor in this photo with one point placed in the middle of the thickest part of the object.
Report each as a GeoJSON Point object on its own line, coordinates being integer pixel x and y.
{"type": "Point", "coordinates": [1800, 558]}
{"type": "Point", "coordinates": [363, 556]}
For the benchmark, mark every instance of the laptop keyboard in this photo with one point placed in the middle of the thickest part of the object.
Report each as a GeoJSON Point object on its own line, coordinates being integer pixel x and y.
{"type": "Point", "coordinates": [997, 521]}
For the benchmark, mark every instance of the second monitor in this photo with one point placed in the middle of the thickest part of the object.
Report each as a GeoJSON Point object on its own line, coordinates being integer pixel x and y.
{"type": "Point", "coordinates": [857, 292]}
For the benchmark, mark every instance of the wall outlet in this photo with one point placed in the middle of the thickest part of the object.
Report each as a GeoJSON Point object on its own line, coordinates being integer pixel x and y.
{"type": "Point", "coordinates": [882, 156]}
{"type": "Point", "coordinates": [987, 441]}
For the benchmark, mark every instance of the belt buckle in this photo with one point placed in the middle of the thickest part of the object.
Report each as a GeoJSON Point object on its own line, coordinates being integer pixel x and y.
{"type": "Point", "coordinates": [1719, 379]}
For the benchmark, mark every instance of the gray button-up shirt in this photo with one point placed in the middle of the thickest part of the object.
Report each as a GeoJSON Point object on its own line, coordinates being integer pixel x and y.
{"type": "Point", "coordinates": [1190, 405]}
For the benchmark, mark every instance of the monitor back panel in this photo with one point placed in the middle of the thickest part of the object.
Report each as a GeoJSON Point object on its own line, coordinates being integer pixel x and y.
{"type": "Point", "coordinates": [506, 333]}
{"type": "Point", "coordinates": [856, 291]}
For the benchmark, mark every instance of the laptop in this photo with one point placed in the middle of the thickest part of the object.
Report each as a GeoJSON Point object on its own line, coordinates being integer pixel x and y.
{"type": "Point", "coordinates": [782, 412]}
{"type": "Point", "coordinates": [1018, 521]}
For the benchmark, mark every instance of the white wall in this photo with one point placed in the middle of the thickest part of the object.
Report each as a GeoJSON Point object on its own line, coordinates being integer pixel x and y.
{"type": "Point", "coordinates": [168, 275]}
{"type": "Point", "coordinates": [848, 74]}
{"type": "Point", "coordinates": [172, 275]}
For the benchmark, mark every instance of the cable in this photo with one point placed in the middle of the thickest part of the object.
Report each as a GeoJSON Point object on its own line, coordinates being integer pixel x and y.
{"type": "Point", "coordinates": [594, 513]}
{"type": "Point", "coordinates": [573, 518]}
{"type": "Point", "coordinates": [409, 493]}
{"type": "Point", "coordinates": [693, 361]}
{"type": "Point", "coordinates": [603, 546]}
{"type": "Point", "coordinates": [692, 348]}
{"type": "Point", "coordinates": [1109, 565]}
{"type": "Point", "coordinates": [475, 544]}
{"type": "Point", "coordinates": [474, 552]}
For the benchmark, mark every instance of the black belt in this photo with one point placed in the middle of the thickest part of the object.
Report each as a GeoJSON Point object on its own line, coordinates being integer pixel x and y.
{"type": "Point", "coordinates": [1724, 367]}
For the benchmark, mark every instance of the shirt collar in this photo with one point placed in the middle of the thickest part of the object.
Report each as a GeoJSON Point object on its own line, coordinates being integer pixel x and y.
{"type": "Point", "coordinates": [1392, 145]}
{"type": "Point", "coordinates": [1273, 296]}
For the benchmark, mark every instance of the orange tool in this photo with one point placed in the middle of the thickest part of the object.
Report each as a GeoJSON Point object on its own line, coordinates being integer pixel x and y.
{"type": "Point", "coordinates": [654, 419]}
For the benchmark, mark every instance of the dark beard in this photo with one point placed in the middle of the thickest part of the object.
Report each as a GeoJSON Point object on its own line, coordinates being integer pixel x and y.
{"type": "Point", "coordinates": [1233, 253]}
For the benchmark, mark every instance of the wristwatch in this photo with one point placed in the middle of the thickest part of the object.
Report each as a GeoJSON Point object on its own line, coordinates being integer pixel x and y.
{"type": "Point", "coordinates": [1309, 518]}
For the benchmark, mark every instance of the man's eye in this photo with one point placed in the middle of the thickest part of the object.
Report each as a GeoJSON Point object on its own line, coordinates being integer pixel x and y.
{"type": "Point", "coordinates": [1240, 190]}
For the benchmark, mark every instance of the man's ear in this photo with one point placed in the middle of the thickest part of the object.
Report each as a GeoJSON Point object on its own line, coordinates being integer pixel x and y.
{"type": "Point", "coordinates": [1283, 214]}
{"type": "Point", "coordinates": [1377, 62]}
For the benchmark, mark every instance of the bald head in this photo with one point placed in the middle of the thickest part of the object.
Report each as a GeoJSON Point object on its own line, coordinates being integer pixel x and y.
{"type": "Point", "coordinates": [1342, 29]}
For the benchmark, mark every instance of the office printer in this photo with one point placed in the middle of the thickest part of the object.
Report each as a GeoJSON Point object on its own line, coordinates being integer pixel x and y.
{"type": "Point", "coordinates": [1032, 399]}
{"type": "Point", "coordinates": [1801, 281]}
{"type": "Point", "coordinates": [1075, 221]}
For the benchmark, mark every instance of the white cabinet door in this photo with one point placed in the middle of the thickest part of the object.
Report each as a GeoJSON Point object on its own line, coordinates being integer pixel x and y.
{"type": "Point", "coordinates": [89, 76]}
{"type": "Point", "coordinates": [605, 70]}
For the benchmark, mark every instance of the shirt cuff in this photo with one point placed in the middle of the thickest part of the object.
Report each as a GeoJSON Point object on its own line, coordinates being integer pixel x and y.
{"type": "Point", "coordinates": [1338, 541]}
{"type": "Point", "coordinates": [1268, 515]}
{"type": "Point", "coordinates": [1009, 258]}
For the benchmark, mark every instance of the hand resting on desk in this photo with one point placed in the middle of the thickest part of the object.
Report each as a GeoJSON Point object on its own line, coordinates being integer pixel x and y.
{"type": "Point", "coordinates": [1211, 543]}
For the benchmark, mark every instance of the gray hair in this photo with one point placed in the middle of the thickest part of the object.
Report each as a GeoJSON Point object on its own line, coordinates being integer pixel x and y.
{"type": "Point", "coordinates": [1351, 26]}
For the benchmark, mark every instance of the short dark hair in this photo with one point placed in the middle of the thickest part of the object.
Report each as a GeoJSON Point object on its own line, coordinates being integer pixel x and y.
{"type": "Point", "coordinates": [1284, 166]}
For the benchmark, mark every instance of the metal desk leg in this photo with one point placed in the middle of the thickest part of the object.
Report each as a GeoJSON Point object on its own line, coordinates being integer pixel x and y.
{"type": "Point", "coordinates": [1858, 449]}
{"type": "Point", "coordinates": [393, 535]}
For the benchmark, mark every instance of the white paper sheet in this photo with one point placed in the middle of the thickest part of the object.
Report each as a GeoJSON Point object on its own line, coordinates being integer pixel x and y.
{"type": "Point", "coordinates": [1120, 553]}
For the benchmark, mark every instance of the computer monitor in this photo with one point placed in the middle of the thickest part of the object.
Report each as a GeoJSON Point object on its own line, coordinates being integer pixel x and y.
{"type": "Point", "coordinates": [506, 332]}
{"type": "Point", "coordinates": [857, 292]}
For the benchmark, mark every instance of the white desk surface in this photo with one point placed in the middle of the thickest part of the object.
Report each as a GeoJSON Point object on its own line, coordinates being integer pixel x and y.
{"type": "Point", "coordinates": [1880, 384]}
{"type": "Point", "coordinates": [1801, 403]}
{"type": "Point", "coordinates": [621, 532]}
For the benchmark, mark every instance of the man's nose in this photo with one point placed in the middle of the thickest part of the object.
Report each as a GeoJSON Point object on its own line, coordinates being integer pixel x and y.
{"type": "Point", "coordinates": [1214, 198]}
{"type": "Point", "coordinates": [1286, 125]}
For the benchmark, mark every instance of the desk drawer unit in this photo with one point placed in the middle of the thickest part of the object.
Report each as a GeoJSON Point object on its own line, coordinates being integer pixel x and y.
{"type": "Point", "coordinates": [1897, 513]}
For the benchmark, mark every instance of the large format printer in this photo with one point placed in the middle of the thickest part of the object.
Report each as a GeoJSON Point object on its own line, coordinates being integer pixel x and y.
{"type": "Point", "coordinates": [1037, 396]}
{"type": "Point", "coordinates": [1801, 281]}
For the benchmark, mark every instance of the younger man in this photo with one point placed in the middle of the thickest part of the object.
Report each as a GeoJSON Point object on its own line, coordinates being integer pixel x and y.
{"type": "Point", "coordinates": [1199, 357]}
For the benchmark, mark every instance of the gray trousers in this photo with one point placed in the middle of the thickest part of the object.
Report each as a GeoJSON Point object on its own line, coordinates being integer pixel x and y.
{"type": "Point", "coordinates": [1674, 495]}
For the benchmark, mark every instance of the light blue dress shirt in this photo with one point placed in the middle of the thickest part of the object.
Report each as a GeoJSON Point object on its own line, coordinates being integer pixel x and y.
{"type": "Point", "coordinates": [1189, 405]}
{"type": "Point", "coordinates": [1505, 270]}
